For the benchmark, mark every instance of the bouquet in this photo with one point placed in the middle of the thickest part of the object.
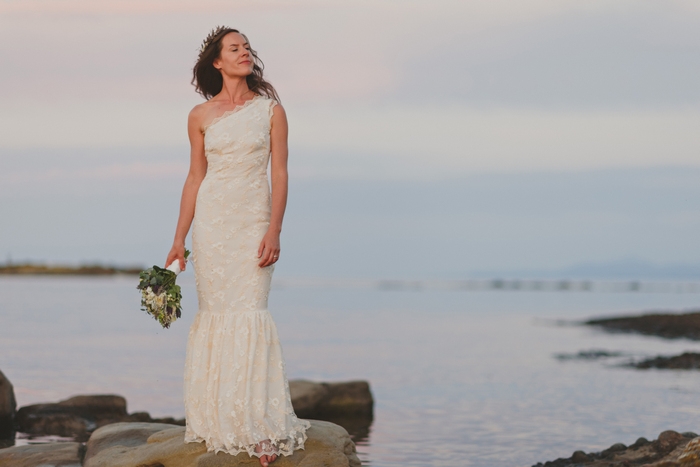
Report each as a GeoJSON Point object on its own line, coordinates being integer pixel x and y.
{"type": "Point", "coordinates": [160, 296]}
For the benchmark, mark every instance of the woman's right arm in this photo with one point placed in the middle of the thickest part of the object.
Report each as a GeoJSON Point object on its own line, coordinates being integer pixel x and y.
{"type": "Point", "coordinates": [198, 169]}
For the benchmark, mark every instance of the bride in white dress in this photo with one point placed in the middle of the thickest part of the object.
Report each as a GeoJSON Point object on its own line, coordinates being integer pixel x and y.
{"type": "Point", "coordinates": [236, 390]}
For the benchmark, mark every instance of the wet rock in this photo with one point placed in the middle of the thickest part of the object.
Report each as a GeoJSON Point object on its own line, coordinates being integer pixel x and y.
{"type": "Point", "coordinates": [617, 447]}
{"type": "Point", "coordinates": [306, 396]}
{"type": "Point", "coordinates": [666, 451]}
{"type": "Point", "coordinates": [594, 354]}
{"type": "Point", "coordinates": [580, 457]}
{"type": "Point", "coordinates": [78, 416]}
{"type": "Point", "coordinates": [323, 401]}
{"type": "Point", "coordinates": [121, 434]}
{"type": "Point", "coordinates": [668, 325]}
{"type": "Point", "coordinates": [667, 441]}
{"type": "Point", "coordinates": [143, 444]}
{"type": "Point", "coordinates": [691, 454]}
{"type": "Point", "coordinates": [33, 455]}
{"type": "Point", "coordinates": [73, 417]}
{"type": "Point", "coordinates": [98, 406]}
{"type": "Point", "coordinates": [8, 406]}
{"type": "Point", "coordinates": [685, 361]}
{"type": "Point", "coordinates": [349, 404]}
{"type": "Point", "coordinates": [639, 443]}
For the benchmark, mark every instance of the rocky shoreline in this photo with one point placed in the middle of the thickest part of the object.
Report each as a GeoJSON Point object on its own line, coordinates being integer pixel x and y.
{"type": "Point", "coordinates": [666, 325]}
{"type": "Point", "coordinates": [98, 430]}
{"type": "Point", "coordinates": [670, 449]}
{"type": "Point", "coordinates": [19, 269]}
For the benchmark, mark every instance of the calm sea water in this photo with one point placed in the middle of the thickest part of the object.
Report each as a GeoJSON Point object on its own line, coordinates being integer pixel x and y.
{"type": "Point", "coordinates": [459, 377]}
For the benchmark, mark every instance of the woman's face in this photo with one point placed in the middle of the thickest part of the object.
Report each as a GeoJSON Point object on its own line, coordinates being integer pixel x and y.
{"type": "Point", "coordinates": [235, 58]}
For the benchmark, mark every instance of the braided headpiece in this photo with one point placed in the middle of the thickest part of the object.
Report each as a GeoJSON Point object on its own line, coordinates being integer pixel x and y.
{"type": "Point", "coordinates": [212, 36]}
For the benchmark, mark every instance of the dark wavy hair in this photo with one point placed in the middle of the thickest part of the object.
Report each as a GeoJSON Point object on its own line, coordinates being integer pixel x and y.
{"type": "Point", "coordinates": [208, 81]}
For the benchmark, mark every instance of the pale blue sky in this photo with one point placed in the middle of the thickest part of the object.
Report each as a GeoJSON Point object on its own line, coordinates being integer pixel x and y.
{"type": "Point", "coordinates": [398, 94]}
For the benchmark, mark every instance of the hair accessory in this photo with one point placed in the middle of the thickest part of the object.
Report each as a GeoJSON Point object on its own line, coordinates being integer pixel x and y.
{"type": "Point", "coordinates": [210, 38]}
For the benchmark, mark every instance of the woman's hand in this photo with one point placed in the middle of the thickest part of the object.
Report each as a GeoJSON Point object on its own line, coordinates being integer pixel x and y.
{"type": "Point", "coordinates": [176, 252]}
{"type": "Point", "coordinates": [269, 250]}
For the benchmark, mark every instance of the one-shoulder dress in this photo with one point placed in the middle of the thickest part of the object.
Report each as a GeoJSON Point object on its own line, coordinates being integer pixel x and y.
{"type": "Point", "coordinates": [236, 389]}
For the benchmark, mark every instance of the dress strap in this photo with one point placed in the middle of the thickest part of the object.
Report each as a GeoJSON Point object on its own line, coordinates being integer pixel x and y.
{"type": "Point", "coordinates": [271, 105]}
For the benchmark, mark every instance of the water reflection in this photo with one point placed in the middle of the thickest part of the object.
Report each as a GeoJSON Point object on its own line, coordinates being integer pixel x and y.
{"type": "Point", "coordinates": [469, 373]}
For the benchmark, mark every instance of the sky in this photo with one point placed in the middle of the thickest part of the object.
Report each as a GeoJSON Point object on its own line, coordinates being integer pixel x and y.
{"type": "Point", "coordinates": [397, 98]}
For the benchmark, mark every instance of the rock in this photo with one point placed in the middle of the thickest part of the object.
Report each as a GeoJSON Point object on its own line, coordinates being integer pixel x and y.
{"type": "Point", "coordinates": [685, 361]}
{"type": "Point", "coordinates": [668, 325]}
{"type": "Point", "coordinates": [76, 416]}
{"type": "Point", "coordinates": [348, 404]}
{"type": "Point", "coordinates": [579, 457]}
{"type": "Point", "coordinates": [594, 354]}
{"type": "Point", "coordinates": [61, 424]}
{"type": "Point", "coordinates": [144, 444]}
{"type": "Point", "coordinates": [45, 455]}
{"type": "Point", "coordinates": [348, 399]}
{"type": "Point", "coordinates": [8, 405]}
{"type": "Point", "coordinates": [98, 406]}
{"type": "Point", "coordinates": [121, 434]}
{"type": "Point", "coordinates": [667, 441]}
{"type": "Point", "coordinates": [691, 454]}
{"type": "Point", "coordinates": [617, 447]}
{"type": "Point", "coordinates": [666, 451]}
{"type": "Point", "coordinates": [79, 416]}
{"type": "Point", "coordinates": [639, 443]}
{"type": "Point", "coordinates": [326, 400]}
{"type": "Point", "coordinates": [306, 396]}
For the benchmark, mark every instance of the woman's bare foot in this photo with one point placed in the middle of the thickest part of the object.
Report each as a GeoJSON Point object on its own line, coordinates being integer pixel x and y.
{"type": "Point", "coordinates": [266, 459]}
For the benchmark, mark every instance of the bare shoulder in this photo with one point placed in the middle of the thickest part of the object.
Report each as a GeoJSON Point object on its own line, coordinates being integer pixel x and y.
{"type": "Point", "coordinates": [278, 112]}
{"type": "Point", "coordinates": [198, 113]}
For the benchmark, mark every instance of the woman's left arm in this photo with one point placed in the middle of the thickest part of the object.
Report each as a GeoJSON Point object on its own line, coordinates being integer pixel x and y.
{"type": "Point", "coordinates": [269, 249]}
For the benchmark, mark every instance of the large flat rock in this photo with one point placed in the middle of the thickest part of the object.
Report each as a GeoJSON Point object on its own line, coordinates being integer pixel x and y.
{"type": "Point", "coordinates": [147, 444]}
{"type": "Point", "coordinates": [79, 416]}
{"type": "Point", "coordinates": [7, 408]}
{"type": "Point", "coordinates": [45, 455]}
{"type": "Point", "coordinates": [325, 401]}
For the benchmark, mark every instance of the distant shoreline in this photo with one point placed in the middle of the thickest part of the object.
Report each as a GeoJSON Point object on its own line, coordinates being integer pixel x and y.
{"type": "Point", "coordinates": [24, 269]}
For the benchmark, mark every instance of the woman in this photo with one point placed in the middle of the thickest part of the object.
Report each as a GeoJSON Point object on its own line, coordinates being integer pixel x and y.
{"type": "Point", "coordinates": [236, 390]}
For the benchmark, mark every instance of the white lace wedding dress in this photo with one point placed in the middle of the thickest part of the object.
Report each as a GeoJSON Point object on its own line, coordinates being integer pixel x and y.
{"type": "Point", "coordinates": [236, 390]}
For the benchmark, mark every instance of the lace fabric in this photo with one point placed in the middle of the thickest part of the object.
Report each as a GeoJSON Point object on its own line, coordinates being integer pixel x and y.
{"type": "Point", "coordinates": [236, 390]}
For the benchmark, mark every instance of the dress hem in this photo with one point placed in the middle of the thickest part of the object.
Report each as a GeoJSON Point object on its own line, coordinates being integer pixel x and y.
{"type": "Point", "coordinates": [236, 451]}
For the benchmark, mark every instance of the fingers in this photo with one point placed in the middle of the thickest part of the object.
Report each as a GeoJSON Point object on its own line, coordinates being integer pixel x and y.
{"type": "Point", "coordinates": [269, 257]}
{"type": "Point", "coordinates": [262, 257]}
{"type": "Point", "coordinates": [174, 257]}
{"type": "Point", "coordinates": [261, 248]}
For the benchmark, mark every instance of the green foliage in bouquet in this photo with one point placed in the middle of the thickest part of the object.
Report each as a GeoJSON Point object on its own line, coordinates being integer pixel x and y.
{"type": "Point", "coordinates": [160, 295]}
